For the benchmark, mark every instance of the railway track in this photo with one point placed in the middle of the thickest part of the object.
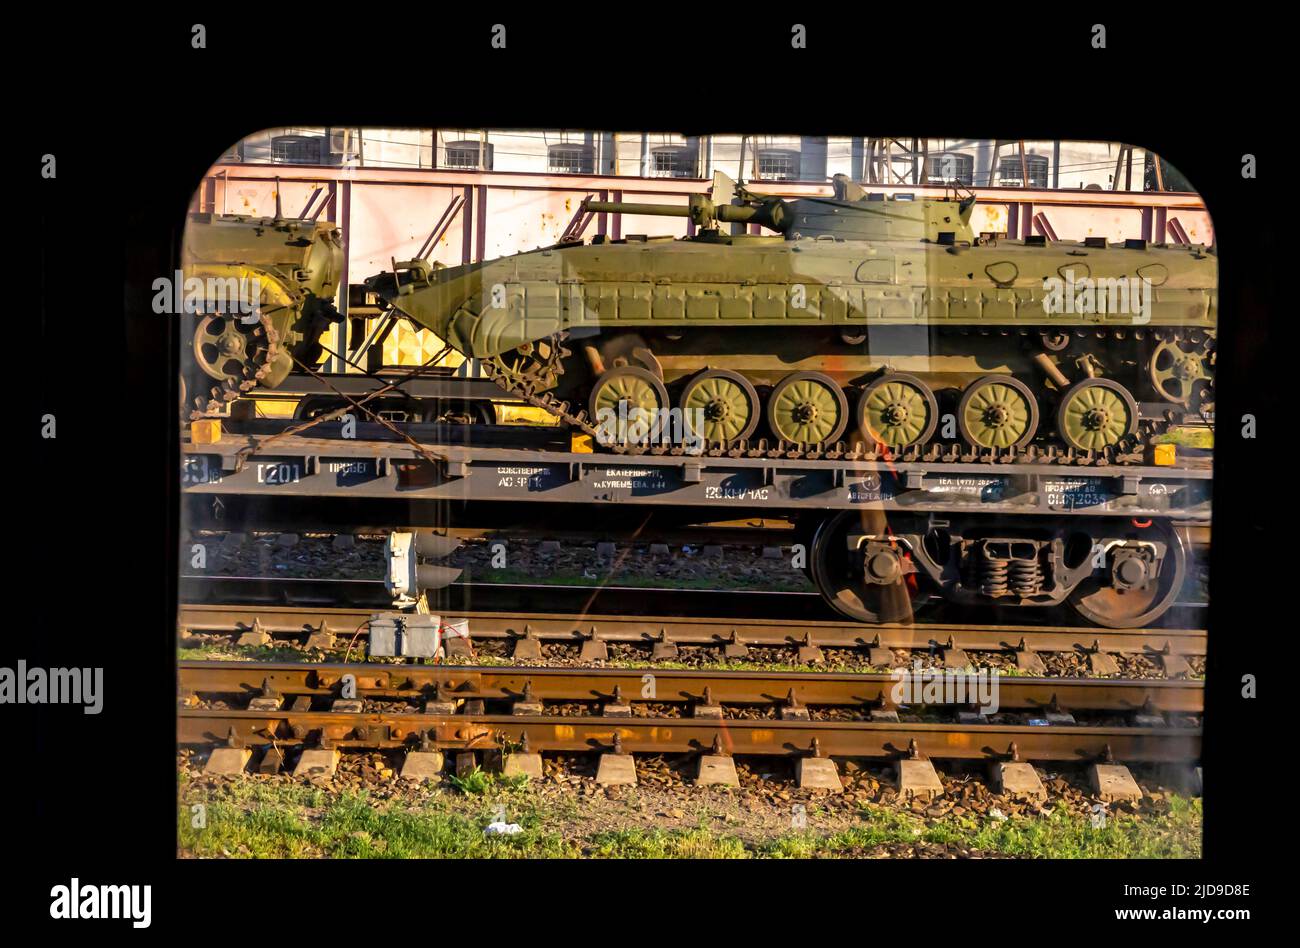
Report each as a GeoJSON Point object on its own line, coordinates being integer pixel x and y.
{"type": "Point", "coordinates": [469, 733]}
{"type": "Point", "coordinates": [688, 688]}
{"type": "Point", "coordinates": [453, 716]}
{"type": "Point", "coordinates": [323, 627]}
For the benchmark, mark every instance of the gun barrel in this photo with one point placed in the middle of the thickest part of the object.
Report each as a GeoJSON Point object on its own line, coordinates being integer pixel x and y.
{"type": "Point", "coordinates": [701, 210]}
{"type": "Point", "coordinates": [655, 210]}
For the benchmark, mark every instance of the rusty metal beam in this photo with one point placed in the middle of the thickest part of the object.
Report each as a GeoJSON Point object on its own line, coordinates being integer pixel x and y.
{"type": "Point", "coordinates": [306, 212]}
{"type": "Point", "coordinates": [578, 223]}
{"type": "Point", "coordinates": [467, 228]}
{"type": "Point", "coordinates": [440, 228]}
{"type": "Point", "coordinates": [1179, 233]}
{"type": "Point", "coordinates": [1045, 226]}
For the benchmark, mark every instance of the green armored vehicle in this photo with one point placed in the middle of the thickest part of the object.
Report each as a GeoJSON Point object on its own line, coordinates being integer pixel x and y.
{"type": "Point", "coordinates": [864, 317]}
{"type": "Point", "coordinates": [261, 292]}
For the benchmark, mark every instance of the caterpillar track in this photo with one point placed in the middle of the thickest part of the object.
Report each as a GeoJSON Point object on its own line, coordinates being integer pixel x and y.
{"type": "Point", "coordinates": [1129, 452]}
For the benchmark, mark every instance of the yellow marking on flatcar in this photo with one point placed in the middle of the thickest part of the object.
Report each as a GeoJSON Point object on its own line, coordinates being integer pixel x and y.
{"type": "Point", "coordinates": [205, 431]}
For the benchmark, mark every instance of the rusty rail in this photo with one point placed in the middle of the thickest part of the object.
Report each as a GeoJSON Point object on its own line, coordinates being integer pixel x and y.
{"type": "Point", "coordinates": [465, 683]}
{"type": "Point", "coordinates": [643, 735]}
{"type": "Point", "coordinates": [299, 620]}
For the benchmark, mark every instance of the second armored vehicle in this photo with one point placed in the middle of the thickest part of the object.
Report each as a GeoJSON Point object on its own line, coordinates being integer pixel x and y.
{"type": "Point", "coordinates": [863, 317]}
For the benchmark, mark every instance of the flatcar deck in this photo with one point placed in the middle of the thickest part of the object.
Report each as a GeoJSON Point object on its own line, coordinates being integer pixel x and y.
{"type": "Point", "coordinates": [326, 467]}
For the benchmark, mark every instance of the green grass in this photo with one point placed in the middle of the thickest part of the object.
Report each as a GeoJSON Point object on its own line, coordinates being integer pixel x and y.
{"type": "Point", "coordinates": [1060, 835]}
{"type": "Point", "coordinates": [475, 783]}
{"type": "Point", "coordinates": [1191, 436]}
{"type": "Point", "coordinates": [252, 653]}
{"type": "Point", "coordinates": [255, 819]}
{"type": "Point", "coordinates": [664, 844]}
{"type": "Point", "coordinates": [353, 826]}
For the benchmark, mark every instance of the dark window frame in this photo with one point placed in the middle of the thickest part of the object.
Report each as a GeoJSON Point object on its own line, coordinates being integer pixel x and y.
{"type": "Point", "coordinates": [293, 149]}
{"type": "Point", "coordinates": [684, 162]}
{"type": "Point", "coordinates": [791, 156]}
{"type": "Point", "coordinates": [572, 158]}
{"type": "Point", "coordinates": [964, 172]}
{"type": "Point", "coordinates": [1036, 166]}
{"type": "Point", "coordinates": [469, 146]}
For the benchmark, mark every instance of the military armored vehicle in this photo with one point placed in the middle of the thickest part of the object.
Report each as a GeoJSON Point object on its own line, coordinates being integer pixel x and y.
{"type": "Point", "coordinates": [260, 292]}
{"type": "Point", "coordinates": [871, 318]}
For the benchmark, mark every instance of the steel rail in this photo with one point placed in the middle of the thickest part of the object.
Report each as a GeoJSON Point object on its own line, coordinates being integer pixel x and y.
{"type": "Point", "coordinates": [670, 686]}
{"type": "Point", "coordinates": [684, 735]}
{"type": "Point", "coordinates": [296, 620]}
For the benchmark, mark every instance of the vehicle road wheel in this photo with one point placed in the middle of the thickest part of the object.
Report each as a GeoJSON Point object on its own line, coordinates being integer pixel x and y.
{"type": "Point", "coordinates": [726, 404]}
{"type": "Point", "coordinates": [807, 408]}
{"type": "Point", "coordinates": [997, 411]}
{"type": "Point", "coordinates": [1096, 414]}
{"type": "Point", "coordinates": [897, 410]}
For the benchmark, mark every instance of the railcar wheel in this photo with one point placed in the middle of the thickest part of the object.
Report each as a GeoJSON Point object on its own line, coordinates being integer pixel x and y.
{"type": "Point", "coordinates": [897, 410]}
{"type": "Point", "coordinates": [893, 596]}
{"type": "Point", "coordinates": [625, 403]}
{"type": "Point", "coordinates": [726, 404]}
{"type": "Point", "coordinates": [1123, 594]}
{"type": "Point", "coordinates": [997, 411]}
{"type": "Point", "coordinates": [1096, 414]}
{"type": "Point", "coordinates": [807, 408]}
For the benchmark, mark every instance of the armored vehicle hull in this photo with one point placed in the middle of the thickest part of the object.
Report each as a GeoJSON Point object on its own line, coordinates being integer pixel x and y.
{"type": "Point", "coordinates": [260, 292]}
{"type": "Point", "coordinates": [868, 319]}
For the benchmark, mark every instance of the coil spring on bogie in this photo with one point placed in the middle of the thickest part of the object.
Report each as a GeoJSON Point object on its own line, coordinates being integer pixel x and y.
{"type": "Point", "coordinates": [1026, 577]}
{"type": "Point", "coordinates": [992, 575]}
